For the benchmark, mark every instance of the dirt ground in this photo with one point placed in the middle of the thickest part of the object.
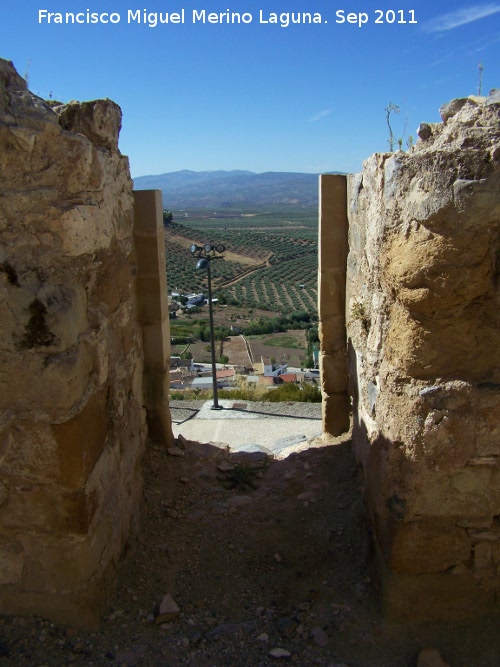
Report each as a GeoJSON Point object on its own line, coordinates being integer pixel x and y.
{"type": "Point", "coordinates": [267, 563]}
{"type": "Point", "coordinates": [234, 347]}
{"type": "Point", "coordinates": [294, 357]}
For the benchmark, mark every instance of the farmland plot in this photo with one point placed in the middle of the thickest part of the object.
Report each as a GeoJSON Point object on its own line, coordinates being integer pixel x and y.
{"type": "Point", "coordinates": [270, 260]}
{"type": "Point", "coordinates": [287, 348]}
{"type": "Point", "coordinates": [289, 285]}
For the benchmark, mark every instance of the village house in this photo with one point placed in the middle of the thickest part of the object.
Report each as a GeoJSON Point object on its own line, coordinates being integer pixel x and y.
{"type": "Point", "coordinates": [268, 369]}
{"type": "Point", "coordinates": [177, 362]}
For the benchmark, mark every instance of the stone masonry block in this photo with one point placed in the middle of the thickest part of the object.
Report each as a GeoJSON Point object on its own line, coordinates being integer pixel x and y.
{"type": "Point", "coordinates": [336, 411]}
{"type": "Point", "coordinates": [150, 251]}
{"type": "Point", "coordinates": [428, 546]}
{"type": "Point", "coordinates": [333, 221]}
{"type": "Point", "coordinates": [153, 299]}
{"type": "Point", "coordinates": [113, 282]}
{"type": "Point", "coordinates": [430, 596]}
{"type": "Point", "coordinates": [156, 345]}
{"type": "Point", "coordinates": [148, 211]}
{"type": "Point", "coordinates": [81, 440]}
{"type": "Point", "coordinates": [11, 562]}
{"type": "Point", "coordinates": [332, 292]}
{"type": "Point", "coordinates": [54, 383]}
{"type": "Point", "coordinates": [331, 333]}
{"type": "Point", "coordinates": [333, 372]}
{"type": "Point", "coordinates": [46, 508]}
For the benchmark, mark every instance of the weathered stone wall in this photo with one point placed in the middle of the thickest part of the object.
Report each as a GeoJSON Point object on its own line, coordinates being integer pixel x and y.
{"type": "Point", "coordinates": [72, 426]}
{"type": "Point", "coordinates": [422, 312]}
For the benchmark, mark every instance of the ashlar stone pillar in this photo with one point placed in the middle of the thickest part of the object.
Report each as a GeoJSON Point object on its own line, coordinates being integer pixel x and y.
{"type": "Point", "coordinates": [153, 311]}
{"type": "Point", "coordinates": [333, 249]}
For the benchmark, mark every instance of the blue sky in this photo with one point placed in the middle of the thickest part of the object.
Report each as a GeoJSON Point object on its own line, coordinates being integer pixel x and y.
{"type": "Point", "coordinates": [258, 96]}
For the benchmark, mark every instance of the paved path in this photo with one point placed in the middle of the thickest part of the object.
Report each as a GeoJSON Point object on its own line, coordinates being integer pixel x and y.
{"type": "Point", "coordinates": [278, 429]}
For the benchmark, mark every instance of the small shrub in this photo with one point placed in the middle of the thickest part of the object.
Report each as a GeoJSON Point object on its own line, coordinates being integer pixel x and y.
{"type": "Point", "coordinates": [242, 477]}
{"type": "Point", "coordinates": [358, 313]}
{"type": "Point", "coordinates": [308, 393]}
{"type": "Point", "coordinates": [176, 396]}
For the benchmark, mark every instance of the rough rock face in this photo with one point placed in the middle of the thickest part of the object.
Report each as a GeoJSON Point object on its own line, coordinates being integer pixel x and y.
{"type": "Point", "coordinates": [71, 423]}
{"type": "Point", "coordinates": [423, 310]}
{"type": "Point", "coordinates": [100, 121]}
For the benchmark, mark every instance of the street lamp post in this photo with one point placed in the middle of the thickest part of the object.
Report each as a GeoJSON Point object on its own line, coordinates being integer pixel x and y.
{"type": "Point", "coordinates": [205, 254]}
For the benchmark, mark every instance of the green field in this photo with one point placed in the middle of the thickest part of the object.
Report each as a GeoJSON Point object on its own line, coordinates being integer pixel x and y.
{"type": "Point", "coordinates": [271, 259]}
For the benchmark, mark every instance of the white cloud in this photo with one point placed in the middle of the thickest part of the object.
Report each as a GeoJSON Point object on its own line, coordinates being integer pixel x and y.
{"type": "Point", "coordinates": [320, 115]}
{"type": "Point", "coordinates": [484, 45]}
{"type": "Point", "coordinates": [461, 17]}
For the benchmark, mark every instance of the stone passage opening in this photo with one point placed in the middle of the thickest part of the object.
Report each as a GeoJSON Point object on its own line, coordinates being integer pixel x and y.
{"type": "Point", "coordinates": [409, 293]}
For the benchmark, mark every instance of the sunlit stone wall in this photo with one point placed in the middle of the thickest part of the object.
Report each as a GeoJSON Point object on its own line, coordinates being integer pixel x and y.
{"type": "Point", "coordinates": [422, 314]}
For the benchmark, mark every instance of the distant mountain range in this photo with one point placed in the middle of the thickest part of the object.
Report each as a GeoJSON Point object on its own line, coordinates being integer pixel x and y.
{"type": "Point", "coordinates": [232, 189]}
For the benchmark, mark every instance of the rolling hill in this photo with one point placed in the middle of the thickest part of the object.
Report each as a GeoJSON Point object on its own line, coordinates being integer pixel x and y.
{"type": "Point", "coordinates": [232, 189]}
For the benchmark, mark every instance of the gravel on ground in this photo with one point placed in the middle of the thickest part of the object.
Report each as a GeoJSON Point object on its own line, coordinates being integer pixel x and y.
{"type": "Point", "coordinates": [244, 560]}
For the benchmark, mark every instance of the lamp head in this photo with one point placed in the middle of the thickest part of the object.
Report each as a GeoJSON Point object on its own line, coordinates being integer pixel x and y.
{"type": "Point", "coordinates": [202, 263]}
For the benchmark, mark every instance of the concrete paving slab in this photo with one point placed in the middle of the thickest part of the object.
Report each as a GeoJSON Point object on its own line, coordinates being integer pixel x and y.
{"type": "Point", "coordinates": [240, 428]}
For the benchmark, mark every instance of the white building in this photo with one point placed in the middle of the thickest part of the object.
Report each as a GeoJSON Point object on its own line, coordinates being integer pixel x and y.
{"type": "Point", "coordinates": [266, 367]}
